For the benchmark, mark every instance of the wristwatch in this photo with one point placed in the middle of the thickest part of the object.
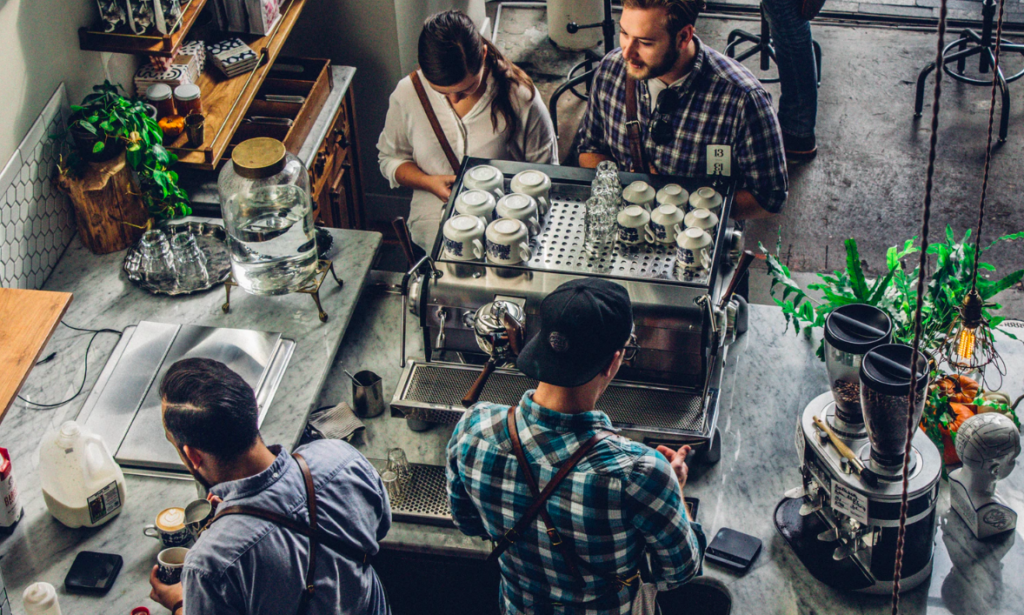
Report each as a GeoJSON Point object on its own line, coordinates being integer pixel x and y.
{"type": "Point", "coordinates": [179, 607]}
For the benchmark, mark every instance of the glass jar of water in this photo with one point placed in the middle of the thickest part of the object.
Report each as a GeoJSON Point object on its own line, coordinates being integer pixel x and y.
{"type": "Point", "coordinates": [268, 214]}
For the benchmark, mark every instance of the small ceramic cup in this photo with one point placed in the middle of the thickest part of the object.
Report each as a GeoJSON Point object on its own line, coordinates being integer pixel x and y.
{"type": "Point", "coordinates": [535, 184]}
{"type": "Point", "coordinates": [673, 194]}
{"type": "Point", "coordinates": [487, 178]}
{"type": "Point", "coordinates": [507, 242]}
{"type": "Point", "coordinates": [169, 528]}
{"type": "Point", "coordinates": [706, 198]}
{"type": "Point", "coordinates": [479, 203]}
{"type": "Point", "coordinates": [704, 219]}
{"type": "Point", "coordinates": [197, 513]}
{"type": "Point", "coordinates": [520, 207]}
{"type": "Point", "coordinates": [664, 226]}
{"type": "Point", "coordinates": [639, 193]}
{"type": "Point", "coordinates": [169, 564]}
{"type": "Point", "coordinates": [463, 238]}
{"type": "Point", "coordinates": [631, 223]}
{"type": "Point", "coordinates": [693, 250]}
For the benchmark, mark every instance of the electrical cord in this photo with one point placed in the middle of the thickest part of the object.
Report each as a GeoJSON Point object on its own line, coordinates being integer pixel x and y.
{"type": "Point", "coordinates": [85, 374]}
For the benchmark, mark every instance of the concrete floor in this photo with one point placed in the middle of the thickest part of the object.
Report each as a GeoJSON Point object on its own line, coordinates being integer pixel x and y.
{"type": "Point", "coordinates": [868, 180]}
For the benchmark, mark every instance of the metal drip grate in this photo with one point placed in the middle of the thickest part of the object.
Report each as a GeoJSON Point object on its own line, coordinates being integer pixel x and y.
{"type": "Point", "coordinates": [435, 384]}
{"type": "Point", "coordinates": [424, 498]}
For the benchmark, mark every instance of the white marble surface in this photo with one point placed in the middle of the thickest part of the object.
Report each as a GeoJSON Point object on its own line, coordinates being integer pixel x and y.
{"type": "Point", "coordinates": [41, 549]}
{"type": "Point", "coordinates": [773, 376]}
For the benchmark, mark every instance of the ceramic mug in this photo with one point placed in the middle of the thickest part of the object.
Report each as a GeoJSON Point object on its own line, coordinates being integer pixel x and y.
{"type": "Point", "coordinates": [463, 238]}
{"type": "Point", "coordinates": [673, 194]}
{"type": "Point", "coordinates": [487, 178]}
{"type": "Point", "coordinates": [520, 207]}
{"type": "Point", "coordinates": [664, 226]}
{"type": "Point", "coordinates": [479, 203]}
{"type": "Point", "coordinates": [706, 198]}
{"type": "Point", "coordinates": [704, 219]}
{"type": "Point", "coordinates": [197, 514]}
{"type": "Point", "coordinates": [693, 250]}
{"type": "Point", "coordinates": [169, 564]}
{"type": "Point", "coordinates": [169, 528]}
{"type": "Point", "coordinates": [639, 193]}
{"type": "Point", "coordinates": [507, 242]}
{"type": "Point", "coordinates": [631, 225]}
{"type": "Point", "coordinates": [535, 184]}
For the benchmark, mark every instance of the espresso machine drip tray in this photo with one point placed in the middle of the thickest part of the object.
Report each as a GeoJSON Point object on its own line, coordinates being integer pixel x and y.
{"type": "Point", "coordinates": [124, 406]}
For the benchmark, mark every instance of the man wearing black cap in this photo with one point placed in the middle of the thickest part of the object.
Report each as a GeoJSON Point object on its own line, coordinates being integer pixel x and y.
{"type": "Point", "coordinates": [571, 505]}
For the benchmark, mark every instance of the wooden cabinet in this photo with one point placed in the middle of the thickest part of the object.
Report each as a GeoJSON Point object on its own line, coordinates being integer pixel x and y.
{"type": "Point", "coordinates": [335, 173]}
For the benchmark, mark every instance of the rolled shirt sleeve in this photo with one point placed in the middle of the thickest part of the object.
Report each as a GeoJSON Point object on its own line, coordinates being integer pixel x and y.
{"type": "Point", "coordinates": [205, 594]}
{"type": "Point", "coordinates": [760, 155]}
{"type": "Point", "coordinates": [394, 147]}
{"type": "Point", "coordinates": [655, 503]}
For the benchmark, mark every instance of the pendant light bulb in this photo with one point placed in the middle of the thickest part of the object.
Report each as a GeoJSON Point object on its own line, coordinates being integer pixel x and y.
{"type": "Point", "coordinates": [965, 346]}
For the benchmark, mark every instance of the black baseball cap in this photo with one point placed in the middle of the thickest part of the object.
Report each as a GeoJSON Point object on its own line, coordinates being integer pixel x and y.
{"type": "Point", "coordinates": [582, 323]}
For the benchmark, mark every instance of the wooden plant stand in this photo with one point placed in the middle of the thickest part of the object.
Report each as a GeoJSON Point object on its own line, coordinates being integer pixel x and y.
{"type": "Point", "coordinates": [110, 214]}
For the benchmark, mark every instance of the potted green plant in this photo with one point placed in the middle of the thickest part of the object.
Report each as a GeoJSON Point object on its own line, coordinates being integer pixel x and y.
{"type": "Point", "coordinates": [95, 126]}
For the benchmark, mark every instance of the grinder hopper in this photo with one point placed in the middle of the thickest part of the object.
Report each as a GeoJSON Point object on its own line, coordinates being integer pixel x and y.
{"type": "Point", "coordinates": [885, 380]}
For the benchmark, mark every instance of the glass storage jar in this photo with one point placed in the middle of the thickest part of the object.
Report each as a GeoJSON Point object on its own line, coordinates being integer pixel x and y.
{"type": "Point", "coordinates": [851, 331]}
{"type": "Point", "coordinates": [268, 215]}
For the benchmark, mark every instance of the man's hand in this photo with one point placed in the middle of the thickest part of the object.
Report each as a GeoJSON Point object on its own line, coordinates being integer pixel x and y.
{"type": "Point", "coordinates": [678, 461]}
{"type": "Point", "coordinates": [440, 185]}
{"type": "Point", "coordinates": [167, 595]}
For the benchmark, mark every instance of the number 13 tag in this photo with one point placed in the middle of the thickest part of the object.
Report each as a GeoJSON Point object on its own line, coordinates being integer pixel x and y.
{"type": "Point", "coordinates": [720, 160]}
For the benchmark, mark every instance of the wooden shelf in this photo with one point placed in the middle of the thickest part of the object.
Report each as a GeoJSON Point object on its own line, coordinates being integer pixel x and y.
{"type": "Point", "coordinates": [154, 45]}
{"type": "Point", "coordinates": [27, 320]}
{"type": "Point", "coordinates": [226, 101]}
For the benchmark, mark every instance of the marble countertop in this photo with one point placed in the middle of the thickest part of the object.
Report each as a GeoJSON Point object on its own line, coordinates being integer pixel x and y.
{"type": "Point", "coordinates": [773, 375]}
{"type": "Point", "coordinates": [41, 549]}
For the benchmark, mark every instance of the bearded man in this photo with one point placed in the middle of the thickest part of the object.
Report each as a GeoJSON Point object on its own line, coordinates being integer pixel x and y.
{"type": "Point", "coordinates": [666, 103]}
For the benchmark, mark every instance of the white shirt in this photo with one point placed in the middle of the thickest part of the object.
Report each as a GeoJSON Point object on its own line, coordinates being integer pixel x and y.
{"type": "Point", "coordinates": [407, 137]}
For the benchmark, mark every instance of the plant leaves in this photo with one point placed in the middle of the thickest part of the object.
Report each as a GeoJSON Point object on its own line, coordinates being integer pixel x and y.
{"type": "Point", "coordinates": [857, 282]}
{"type": "Point", "coordinates": [98, 146]}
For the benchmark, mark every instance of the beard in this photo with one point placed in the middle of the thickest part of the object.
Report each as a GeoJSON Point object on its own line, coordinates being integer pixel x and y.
{"type": "Point", "coordinates": [659, 68]}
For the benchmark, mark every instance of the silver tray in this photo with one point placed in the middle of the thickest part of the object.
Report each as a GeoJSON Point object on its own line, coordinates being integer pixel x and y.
{"type": "Point", "coordinates": [212, 240]}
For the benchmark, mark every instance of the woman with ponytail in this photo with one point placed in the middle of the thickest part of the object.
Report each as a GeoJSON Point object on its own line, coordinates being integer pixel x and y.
{"type": "Point", "coordinates": [484, 106]}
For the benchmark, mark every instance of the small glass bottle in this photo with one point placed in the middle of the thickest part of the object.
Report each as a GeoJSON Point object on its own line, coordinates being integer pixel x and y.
{"type": "Point", "coordinates": [187, 99]}
{"type": "Point", "coordinates": [159, 95]}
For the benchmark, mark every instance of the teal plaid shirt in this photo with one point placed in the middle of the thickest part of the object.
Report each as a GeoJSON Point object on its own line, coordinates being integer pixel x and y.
{"type": "Point", "coordinates": [621, 499]}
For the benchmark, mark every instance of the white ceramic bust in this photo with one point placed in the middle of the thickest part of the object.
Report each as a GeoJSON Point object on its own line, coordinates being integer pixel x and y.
{"type": "Point", "coordinates": [988, 445]}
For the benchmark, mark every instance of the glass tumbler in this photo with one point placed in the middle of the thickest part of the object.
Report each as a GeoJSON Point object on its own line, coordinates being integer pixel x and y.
{"type": "Point", "coordinates": [189, 262]}
{"type": "Point", "coordinates": [599, 222]}
{"type": "Point", "coordinates": [156, 258]}
{"type": "Point", "coordinates": [399, 464]}
{"type": "Point", "coordinates": [392, 485]}
{"type": "Point", "coordinates": [610, 193]}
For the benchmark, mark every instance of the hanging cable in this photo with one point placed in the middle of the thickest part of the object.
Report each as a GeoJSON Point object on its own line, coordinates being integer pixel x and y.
{"type": "Point", "coordinates": [85, 373]}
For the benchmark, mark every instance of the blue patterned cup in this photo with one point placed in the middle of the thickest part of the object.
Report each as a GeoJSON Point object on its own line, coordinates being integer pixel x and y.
{"type": "Point", "coordinates": [631, 225]}
{"type": "Point", "coordinates": [463, 238]}
{"type": "Point", "coordinates": [507, 242]}
{"type": "Point", "coordinates": [169, 564]}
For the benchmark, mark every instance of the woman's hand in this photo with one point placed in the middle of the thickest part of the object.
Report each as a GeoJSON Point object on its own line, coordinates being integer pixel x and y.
{"type": "Point", "coordinates": [439, 185]}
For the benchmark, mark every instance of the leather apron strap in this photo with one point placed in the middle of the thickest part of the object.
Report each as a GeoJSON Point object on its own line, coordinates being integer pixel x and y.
{"type": "Point", "coordinates": [449, 153]}
{"type": "Point", "coordinates": [636, 141]}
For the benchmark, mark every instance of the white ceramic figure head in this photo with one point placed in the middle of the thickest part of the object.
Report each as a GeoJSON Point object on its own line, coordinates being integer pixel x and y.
{"type": "Point", "coordinates": [988, 445]}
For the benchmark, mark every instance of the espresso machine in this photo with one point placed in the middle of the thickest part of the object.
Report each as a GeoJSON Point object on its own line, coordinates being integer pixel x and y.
{"type": "Point", "coordinates": [843, 520]}
{"type": "Point", "coordinates": [668, 395]}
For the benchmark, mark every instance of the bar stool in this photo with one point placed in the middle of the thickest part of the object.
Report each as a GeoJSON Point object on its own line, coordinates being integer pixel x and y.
{"type": "Point", "coordinates": [984, 45]}
{"type": "Point", "coordinates": [762, 44]}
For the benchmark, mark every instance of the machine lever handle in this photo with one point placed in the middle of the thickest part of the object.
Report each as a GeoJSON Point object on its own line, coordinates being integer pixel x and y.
{"type": "Point", "coordinates": [473, 395]}
{"type": "Point", "coordinates": [741, 270]}
{"type": "Point", "coordinates": [404, 239]}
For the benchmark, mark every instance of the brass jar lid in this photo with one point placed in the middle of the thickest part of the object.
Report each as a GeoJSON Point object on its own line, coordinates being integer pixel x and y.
{"type": "Point", "coordinates": [259, 158]}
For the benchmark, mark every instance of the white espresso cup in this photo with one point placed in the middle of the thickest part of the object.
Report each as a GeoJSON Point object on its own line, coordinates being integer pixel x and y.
{"type": "Point", "coordinates": [693, 250]}
{"type": "Point", "coordinates": [664, 225]}
{"type": "Point", "coordinates": [463, 238]}
{"type": "Point", "coordinates": [520, 207]}
{"type": "Point", "coordinates": [704, 219]}
{"type": "Point", "coordinates": [673, 194]}
{"type": "Point", "coordinates": [507, 242]}
{"type": "Point", "coordinates": [639, 193]}
{"type": "Point", "coordinates": [479, 203]}
{"type": "Point", "coordinates": [631, 225]}
{"type": "Point", "coordinates": [535, 184]}
{"type": "Point", "coordinates": [485, 177]}
{"type": "Point", "coordinates": [706, 198]}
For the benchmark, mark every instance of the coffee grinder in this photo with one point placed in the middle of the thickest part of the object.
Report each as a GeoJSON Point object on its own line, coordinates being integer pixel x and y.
{"type": "Point", "coordinates": [843, 520]}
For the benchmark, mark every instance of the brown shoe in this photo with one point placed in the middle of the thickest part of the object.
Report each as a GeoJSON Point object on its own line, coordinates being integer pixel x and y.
{"type": "Point", "coordinates": [799, 149]}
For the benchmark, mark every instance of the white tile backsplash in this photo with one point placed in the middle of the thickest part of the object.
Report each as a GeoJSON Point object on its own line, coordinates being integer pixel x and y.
{"type": "Point", "coordinates": [36, 219]}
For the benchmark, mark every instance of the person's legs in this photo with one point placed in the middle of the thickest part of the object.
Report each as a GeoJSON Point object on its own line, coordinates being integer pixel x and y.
{"type": "Point", "coordinates": [798, 105]}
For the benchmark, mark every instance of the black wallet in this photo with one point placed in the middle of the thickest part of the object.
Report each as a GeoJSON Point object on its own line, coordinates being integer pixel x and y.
{"type": "Point", "coordinates": [93, 573]}
{"type": "Point", "coordinates": [733, 549]}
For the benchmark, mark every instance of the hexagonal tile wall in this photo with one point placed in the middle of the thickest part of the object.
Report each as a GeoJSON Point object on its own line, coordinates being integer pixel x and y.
{"type": "Point", "coordinates": [36, 220]}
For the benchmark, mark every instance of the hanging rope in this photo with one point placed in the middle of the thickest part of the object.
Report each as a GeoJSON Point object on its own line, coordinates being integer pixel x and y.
{"type": "Point", "coordinates": [988, 147]}
{"type": "Point", "coordinates": [919, 308]}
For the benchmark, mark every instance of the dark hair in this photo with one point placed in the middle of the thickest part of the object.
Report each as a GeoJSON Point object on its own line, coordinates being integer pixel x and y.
{"type": "Point", "coordinates": [451, 48]}
{"type": "Point", "coordinates": [681, 13]}
{"type": "Point", "coordinates": [209, 407]}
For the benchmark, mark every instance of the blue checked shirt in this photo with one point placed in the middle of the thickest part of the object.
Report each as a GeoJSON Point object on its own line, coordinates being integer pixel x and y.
{"type": "Point", "coordinates": [622, 498]}
{"type": "Point", "coordinates": [720, 103]}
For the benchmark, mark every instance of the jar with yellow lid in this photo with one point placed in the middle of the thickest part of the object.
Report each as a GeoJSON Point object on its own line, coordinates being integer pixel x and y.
{"type": "Point", "coordinates": [268, 215]}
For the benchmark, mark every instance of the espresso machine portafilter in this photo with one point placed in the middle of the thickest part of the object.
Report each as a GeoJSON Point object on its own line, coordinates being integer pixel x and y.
{"type": "Point", "coordinates": [499, 327]}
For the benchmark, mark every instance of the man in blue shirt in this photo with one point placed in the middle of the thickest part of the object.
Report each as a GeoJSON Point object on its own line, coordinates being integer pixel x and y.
{"type": "Point", "coordinates": [249, 565]}
{"type": "Point", "coordinates": [622, 499]}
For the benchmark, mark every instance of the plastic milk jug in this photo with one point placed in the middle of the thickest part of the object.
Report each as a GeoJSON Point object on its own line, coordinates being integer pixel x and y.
{"type": "Point", "coordinates": [41, 599]}
{"type": "Point", "coordinates": [82, 485]}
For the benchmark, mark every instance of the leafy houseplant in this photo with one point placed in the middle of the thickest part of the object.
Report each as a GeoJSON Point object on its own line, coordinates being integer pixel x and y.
{"type": "Point", "coordinates": [107, 123]}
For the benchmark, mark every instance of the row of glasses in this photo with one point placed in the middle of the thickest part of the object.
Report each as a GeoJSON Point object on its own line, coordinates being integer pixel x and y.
{"type": "Point", "coordinates": [602, 207]}
{"type": "Point", "coordinates": [179, 260]}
